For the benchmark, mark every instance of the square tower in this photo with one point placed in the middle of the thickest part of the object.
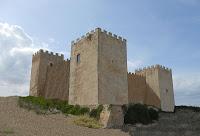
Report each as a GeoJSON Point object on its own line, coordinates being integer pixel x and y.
{"type": "Point", "coordinates": [98, 69]}
{"type": "Point", "coordinates": [49, 75]}
{"type": "Point", "coordinates": [159, 87]}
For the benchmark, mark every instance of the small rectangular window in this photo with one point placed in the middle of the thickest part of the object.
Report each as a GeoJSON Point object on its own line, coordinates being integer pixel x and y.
{"type": "Point", "coordinates": [78, 58]}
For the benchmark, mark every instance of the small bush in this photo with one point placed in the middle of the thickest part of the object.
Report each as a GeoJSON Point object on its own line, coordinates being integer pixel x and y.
{"type": "Point", "coordinates": [153, 114]}
{"type": "Point", "coordinates": [95, 113]}
{"type": "Point", "coordinates": [87, 121]}
{"type": "Point", "coordinates": [192, 108]}
{"type": "Point", "coordinates": [84, 110]}
{"type": "Point", "coordinates": [139, 113]}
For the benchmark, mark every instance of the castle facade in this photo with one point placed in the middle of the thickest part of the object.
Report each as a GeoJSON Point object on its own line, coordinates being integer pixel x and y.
{"type": "Point", "coordinates": [97, 74]}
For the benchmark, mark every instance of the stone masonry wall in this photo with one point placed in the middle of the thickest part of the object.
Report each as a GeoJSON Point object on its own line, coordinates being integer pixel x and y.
{"type": "Point", "coordinates": [101, 75]}
{"type": "Point", "coordinates": [137, 88]}
{"type": "Point", "coordinates": [83, 75]}
{"type": "Point", "coordinates": [158, 86]}
{"type": "Point", "coordinates": [41, 62]}
{"type": "Point", "coordinates": [57, 81]}
{"type": "Point", "coordinates": [166, 90]}
{"type": "Point", "coordinates": [112, 69]}
{"type": "Point", "coordinates": [140, 92]}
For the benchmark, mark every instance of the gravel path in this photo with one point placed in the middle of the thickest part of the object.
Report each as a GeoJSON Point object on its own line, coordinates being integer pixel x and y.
{"type": "Point", "coordinates": [15, 121]}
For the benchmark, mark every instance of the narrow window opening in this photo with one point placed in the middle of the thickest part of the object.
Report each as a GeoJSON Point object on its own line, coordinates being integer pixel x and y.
{"type": "Point", "coordinates": [51, 64]}
{"type": "Point", "coordinates": [167, 90]}
{"type": "Point", "coordinates": [78, 58]}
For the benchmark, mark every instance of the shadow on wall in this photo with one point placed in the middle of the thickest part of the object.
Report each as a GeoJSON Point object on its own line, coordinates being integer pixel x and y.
{"type": "Point", "coordinates": [140, 92]}
{"type": "Point", "coordinates": [152, 98]}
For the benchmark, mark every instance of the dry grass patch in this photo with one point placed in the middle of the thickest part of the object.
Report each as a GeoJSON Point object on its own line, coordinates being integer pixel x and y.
{"type": "Point", "coordinates": [7, 131]}
{"type": "Point", "coordinates": [87, 121]}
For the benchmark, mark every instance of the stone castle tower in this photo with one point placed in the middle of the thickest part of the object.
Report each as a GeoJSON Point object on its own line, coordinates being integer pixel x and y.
{"type": "Point", "coordinates": [49, 75]}
{"type": "Point", "coordinates": [152, 86]}
{"type": "Point", "coordinates": [98, 70]}
{"type": "Point", "coordinates": [97, 74]}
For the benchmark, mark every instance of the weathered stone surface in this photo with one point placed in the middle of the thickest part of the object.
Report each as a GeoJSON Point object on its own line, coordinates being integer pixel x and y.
{"type": "Point", "coordinates": [49, 76]}
{"type": "Point", "coordinates": [152, 86]}
{"type": "Point", "coordinates": [112, 116]}
{"type": "Point", "coordinates": [97, 74]}
{"type": "Point", "coordinates": [101, 75]}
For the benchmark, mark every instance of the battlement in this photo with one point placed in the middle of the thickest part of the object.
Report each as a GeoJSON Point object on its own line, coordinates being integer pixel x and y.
{"type": "Point", "coordinates": [130, 74]}
{"type": "Point", "coordinates": [153, 67]}
{"type": "Point", "coordinates": [96, 31]}
{"type": "Point", "coordinates": [41, 51]}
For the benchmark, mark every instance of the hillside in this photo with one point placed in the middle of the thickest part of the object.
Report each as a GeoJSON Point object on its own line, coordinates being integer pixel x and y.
{"type": "Point", "coordinates": [15, 121]}
{"type": "Point", "coordinates": [184, 122]}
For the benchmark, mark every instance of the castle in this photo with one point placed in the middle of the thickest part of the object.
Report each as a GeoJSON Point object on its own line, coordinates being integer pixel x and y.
{"type": "Point", "coordinates": [97, 74]}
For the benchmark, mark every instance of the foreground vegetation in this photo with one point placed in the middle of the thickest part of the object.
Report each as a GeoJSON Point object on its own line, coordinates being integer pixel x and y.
{"type": "Point", "coordinates": [42, 106]}
{"type": "Point", "coordinates": [87, 121]}
{"type": "Point", "coordinates": [50, 106]}
{"type": "Point", "coordinates": [139, 113]}
{"type": "Point", "coordinates": [7, 131]}
{"type": "Point", "coordinates": [192, 108]}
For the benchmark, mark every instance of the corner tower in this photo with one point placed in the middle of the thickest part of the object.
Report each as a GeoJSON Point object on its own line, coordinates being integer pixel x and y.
{"type": "Point", "coordinates": [49, 75]}
{"type": "Point", "coordinates": [98, 69]}
{"type": "Point", "coordinates": [159, 87]}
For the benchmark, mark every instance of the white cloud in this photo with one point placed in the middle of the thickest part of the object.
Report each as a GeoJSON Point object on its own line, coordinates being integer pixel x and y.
{"type": "Point", "coordinates": [187, 89]}
{"type": "Point", "coordinates": [132, 65]}
{"type": "Point", "coordinates": [187, 82]}
{"type": "Point", "coordinates": [16, 49]}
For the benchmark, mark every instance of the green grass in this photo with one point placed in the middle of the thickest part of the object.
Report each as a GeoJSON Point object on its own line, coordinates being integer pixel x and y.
{"type": "Point", "coordinates": [87, 121]}
{"type": "Point", "coordinates": [41, 106]}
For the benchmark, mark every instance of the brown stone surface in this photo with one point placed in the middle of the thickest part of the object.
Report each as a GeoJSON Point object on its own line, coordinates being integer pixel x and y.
{"type": "Point", "coordinates": [97, 74]}
{"type": "Point", "coordinates": [49, 76]}
{"type": "Point", "coordinates": [112, 69]}
{"type": "Point", "coordinates": [137, 88]}
{"type": "Point", "coordinates": [83, 75]}
{"type": "Point", "coordinates": [152, 86]}
{"type": "Point", "coordinates": [100, 76]}
{"type": "Point", "coordinates": [112, 116]}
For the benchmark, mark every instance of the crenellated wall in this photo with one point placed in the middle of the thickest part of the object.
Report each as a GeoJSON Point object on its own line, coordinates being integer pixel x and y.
{"type": "Point", "coordinates": [100, 76]}
{"type": "Point", "coordinates": [92, 32]}
{"type": "Point", "coordinates": [48, 68]}
{"type": "Point", "coordinates": [136, 88]}
{"type": "Point", "coordinates": [83, 88]}
{"type": "Point", "coordinates": [152, 86]}
{"type": "Point", "coordinates": [112, 69]}
{"type": "Point", "coordinates": [97, 74]}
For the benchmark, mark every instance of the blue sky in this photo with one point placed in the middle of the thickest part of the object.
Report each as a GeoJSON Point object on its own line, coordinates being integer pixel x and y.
{"type": "Point", "coordinates": [157, 32]}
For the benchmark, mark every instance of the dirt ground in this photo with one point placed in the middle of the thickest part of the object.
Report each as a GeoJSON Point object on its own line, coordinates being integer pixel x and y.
{"type": "Point", "coordinates": [15, 121]}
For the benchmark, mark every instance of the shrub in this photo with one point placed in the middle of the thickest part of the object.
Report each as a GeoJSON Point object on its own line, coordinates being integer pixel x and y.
{"type": "Point", "coordinates": [87, 121]}
{"type": "Point", "coordinates": [153, 114]}
{"type": "Point", "coordinates": [192, 108]}
{"type": "Point", "coordinates": [41, 105]}
{"type": "Point", "coordinates": [139, 113]}
{"type": "Point", "coordinates": [84, 110]}
{"type": "Point", "coordinates": [95, 113]}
